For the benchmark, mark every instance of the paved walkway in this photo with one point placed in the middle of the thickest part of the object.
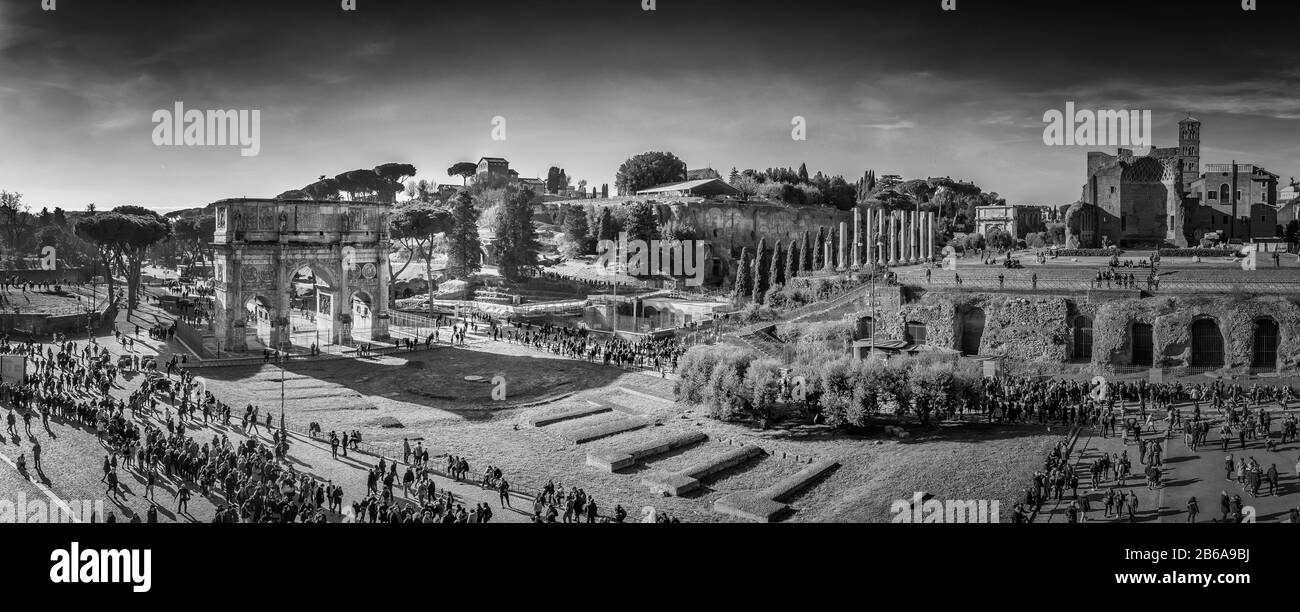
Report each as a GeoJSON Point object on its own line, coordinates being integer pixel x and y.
{"type": "Point", "coordinates": [1186, 474]}
{"type": "Point", "coordinates": [73, 457]}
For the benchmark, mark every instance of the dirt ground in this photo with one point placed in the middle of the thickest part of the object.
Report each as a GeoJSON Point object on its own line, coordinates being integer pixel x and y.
{"type": "Point", "coordinates": [424, 396]}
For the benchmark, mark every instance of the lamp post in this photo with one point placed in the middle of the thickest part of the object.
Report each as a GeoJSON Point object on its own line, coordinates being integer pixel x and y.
{"type": "Point", "coordinates": [280, 361]}
{"type": "Point", "coordinates": [872, 305]}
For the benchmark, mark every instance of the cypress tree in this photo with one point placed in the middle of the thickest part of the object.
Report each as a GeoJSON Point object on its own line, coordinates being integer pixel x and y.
{"type": "Point", "coordinates": [776, 274]}
{"type": "Point", "coordinates": [743, 283]}
{"type": "Point", "coordinates": [807, 259]}
{"type": "Point", "coordinates": [819, 255]}
{"type": "Point", "coordinates": [792, 260]}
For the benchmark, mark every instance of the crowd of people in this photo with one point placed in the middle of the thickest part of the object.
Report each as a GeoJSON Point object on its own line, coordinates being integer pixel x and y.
{"type": "Point", "coordinates": [1146, 416]}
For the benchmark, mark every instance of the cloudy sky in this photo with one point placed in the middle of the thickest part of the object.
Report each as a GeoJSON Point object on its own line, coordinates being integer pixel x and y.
{"type": "Point", "coordinates": [899, 87]}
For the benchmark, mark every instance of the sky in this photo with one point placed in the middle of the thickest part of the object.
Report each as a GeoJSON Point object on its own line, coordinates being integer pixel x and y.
{"type": "Point", "coordinates": [896, 87]}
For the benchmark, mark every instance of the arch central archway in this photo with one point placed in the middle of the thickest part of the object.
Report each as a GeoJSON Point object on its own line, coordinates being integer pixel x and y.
{"type": "Point", "coordinates": [259, 313]}
{"type": "Point", "coordinates": [361, 307]}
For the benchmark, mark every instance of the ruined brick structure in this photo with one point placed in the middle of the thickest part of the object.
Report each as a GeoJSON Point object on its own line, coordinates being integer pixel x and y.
{"type": "Point", "coordinates": [1232, 333]}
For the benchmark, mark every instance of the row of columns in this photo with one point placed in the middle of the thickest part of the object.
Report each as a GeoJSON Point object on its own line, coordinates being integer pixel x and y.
{"type": "Point", "coordinates": [898, 237]}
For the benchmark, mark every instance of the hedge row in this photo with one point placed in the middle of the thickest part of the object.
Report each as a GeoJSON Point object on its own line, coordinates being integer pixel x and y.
{"type": "Point", "coordinates": [1087, 252]}
{"type": "Point", "coordinates": [1196, 252]}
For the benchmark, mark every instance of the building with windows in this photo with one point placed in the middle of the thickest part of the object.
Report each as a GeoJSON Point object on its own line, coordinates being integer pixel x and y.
{"type": "Point", "coordinates": [1240, 204]}
{"type": "Point", "coordinates": [493, 165]}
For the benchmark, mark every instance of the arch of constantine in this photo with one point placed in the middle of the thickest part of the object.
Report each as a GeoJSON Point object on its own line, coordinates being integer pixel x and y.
{"type": "Point", "coordinates": [261, 246]}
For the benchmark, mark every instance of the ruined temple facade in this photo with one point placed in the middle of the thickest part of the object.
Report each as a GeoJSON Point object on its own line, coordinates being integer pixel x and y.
{"type": "Point", "coordinates": [261, 244]}
{"type": "Point", "coordinates": [1139, 199]}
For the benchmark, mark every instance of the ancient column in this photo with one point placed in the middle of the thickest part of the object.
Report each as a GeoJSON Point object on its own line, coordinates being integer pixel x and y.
{"type": "Point", "coordinates": [827, 253]}
{"type": "Point", "coordinates": [877, 245]}
{"type": "Point", "coordinates": [902, 237]}
{"type": "Point", "coordinates": [857, 235]}
{"type": "Point", "coordinates": [914, 235]}
{"type": "Point", "coordinates": [906, 241]}
{"type": "Point", "coordinates": [929, 234]}
{"type": "Point", "coordinates": [907, 236]}
{"type": "Point", "coordinates": [883, 237]}
{"type": "Point", "coordinates": [891, 243]}
{"type": "Point", "coordinates": [842, 262]}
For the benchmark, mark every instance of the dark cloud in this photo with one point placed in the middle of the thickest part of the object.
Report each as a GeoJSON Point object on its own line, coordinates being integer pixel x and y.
{"type": "Point", "coordinates": [895, 85]}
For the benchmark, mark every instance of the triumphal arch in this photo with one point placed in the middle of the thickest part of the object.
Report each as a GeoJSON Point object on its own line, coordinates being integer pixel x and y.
{"type": "Point", "coordinates": [291, 273]}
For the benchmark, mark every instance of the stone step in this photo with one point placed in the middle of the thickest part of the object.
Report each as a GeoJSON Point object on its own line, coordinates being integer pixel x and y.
{"type": "Point", "coordinates": [582, 435]}
{"type": "Point", "coordinates": [567, 414]}
{"type": "Point", "coordinates": [765, 506]}
{"type": "Point", "coordinates": [687, 480]}
{"type": "Point", "coordinates": [626, 456]}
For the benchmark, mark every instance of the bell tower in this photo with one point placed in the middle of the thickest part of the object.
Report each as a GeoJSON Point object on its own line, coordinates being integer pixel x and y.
{"type": "Point", "coordinates": [1189, 150]}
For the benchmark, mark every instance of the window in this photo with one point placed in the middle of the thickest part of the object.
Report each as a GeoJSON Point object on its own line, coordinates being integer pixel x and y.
{"type": "Point", "coordinates": [1238, 195]}
{"type": "Point", "coordinates": [1112, 190]}
{"type": "Point", "coordinates": [1211, 195]}
{"type": "Point", "coordinates": [1224, 193]}
{"type": "Point", "coordinates": [1123, 221]}
{"type": "Point", "coordinates": [1171, 220]}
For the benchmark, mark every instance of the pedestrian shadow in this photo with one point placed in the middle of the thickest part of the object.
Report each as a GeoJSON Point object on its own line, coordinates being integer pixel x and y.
{"type": "Point", "coordinates": [298, 461]}
{"type": "Point", "coordinates": [1181, 483]}
{"type": "Point", "coordinates": [1279, 515]}
{"type": "Point", "coordinates": [356, 463]}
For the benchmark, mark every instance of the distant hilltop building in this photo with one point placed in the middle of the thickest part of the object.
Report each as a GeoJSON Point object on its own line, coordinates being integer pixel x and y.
{"type": "Point", "coordinates": [493, 165]}
{"type": "Point", "coordinates": [1161, 197]}
{"type": "Point", "coordinates": [707, 187]}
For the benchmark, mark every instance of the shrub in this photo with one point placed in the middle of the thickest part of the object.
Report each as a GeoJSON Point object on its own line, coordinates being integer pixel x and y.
{"type": "Point", "coordinates": [753, 313]}
{"type": "Point", "coordinates": [693, 370]}
{"type": "Point", "coordinates": [725, 395]}
{"type": "Point", "coordinates": [777, 299]}
{"type": "Point", "coordinates": [763, 379]}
